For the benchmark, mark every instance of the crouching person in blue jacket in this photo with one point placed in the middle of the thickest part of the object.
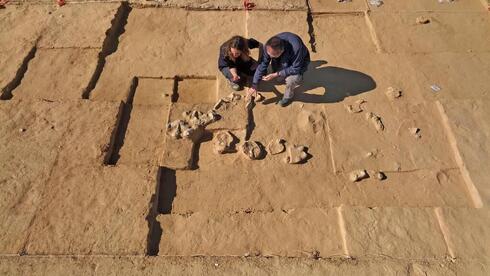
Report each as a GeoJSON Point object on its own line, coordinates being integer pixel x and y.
{"type": "Point", "coordinates": [235, 62]}
{"type": "Point", "coordinates": [289, 59]}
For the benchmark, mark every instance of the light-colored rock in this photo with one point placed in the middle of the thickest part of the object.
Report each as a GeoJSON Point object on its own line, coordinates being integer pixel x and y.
{"type": "Point", "coordinates": [356, 107]}
{"type": "Point", "coordinates": [276, 146]}
{"type": "Point", "coordinates": [380, 175]}
{"type": "Point", "coordinates": [393, 93]}
{"type": "Point", "coordinates": [358, 175]}
{"type": "Point", "coordinates": [252, 150]}
{"type": "Point", "coordinates": [415, 131]}
{"type": "Point", "coordinates": [259, 98]}
{"type": "Point", "coordinates": [422, 20]}
{"type": "Point", "coordinates": [375, 121]}
{"type": "Point", "coordinates": [224, 142]}
{"type": "Point", "coordinates": [296, 154]}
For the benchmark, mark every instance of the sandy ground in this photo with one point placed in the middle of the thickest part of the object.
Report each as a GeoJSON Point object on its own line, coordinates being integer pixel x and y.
{"type": "Point", "coordinates": [93, 183]}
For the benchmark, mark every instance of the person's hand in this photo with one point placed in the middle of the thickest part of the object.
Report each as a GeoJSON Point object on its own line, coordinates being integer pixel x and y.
{"type": "Point", "coordinates": [270, 77]}
{"type": "Point", "coordinates": [251, 92]}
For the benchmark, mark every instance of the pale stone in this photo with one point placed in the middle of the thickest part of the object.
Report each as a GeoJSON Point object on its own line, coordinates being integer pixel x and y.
{"type": "Point", "coordinates": [276, 146]}
{"type": "Point", "coordinates": [296, 154]}
{"type": "Point", "coordinates": [380, 175]}
{"type": "Point", "coordinates": [224, 142]}
{"type": "Point", "coordinates": [393, 93]}
{"type": "Point", "coordinates": [252, 150]}
{"type": "Point", "coordinates": [358, 175]}
{"type": "Point", "coordinates": [375, 121]}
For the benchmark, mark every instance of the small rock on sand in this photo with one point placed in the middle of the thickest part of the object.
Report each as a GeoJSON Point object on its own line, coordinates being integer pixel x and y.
{"type": "Point", "coordinates": [276, 146]}
{"type": "Point", "coordinates": [380, 175]}
{"type": "Point", "coordinates": [252, 150]}
{"type": "Point", "coordinates": [375, 121]}
{"type": "Point", "coordinates": [356, 107]}
{"type": "Point", "coordinates": [358, 175]}
{"type": "Point", "coordinates": [224, 142]}
{"type": "Point", "coordinates": [415, 131]}
{"type": "Point", "coordinates": [296, 154]}
{"type": "Point", "coordinates": [393, 93]}
{"type": "Point", "coordinates": [422, 20]}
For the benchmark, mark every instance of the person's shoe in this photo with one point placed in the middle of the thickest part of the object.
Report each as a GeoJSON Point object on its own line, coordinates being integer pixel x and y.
{"type": "Point", "coordinates": [235, 86]}
{"type": "Point", "coordinates": [285, 102]}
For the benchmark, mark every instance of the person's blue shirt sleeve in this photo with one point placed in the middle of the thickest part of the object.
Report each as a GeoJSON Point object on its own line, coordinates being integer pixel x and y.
{"type": "Point", "coordinates": [297, 65]}
{"type": "Point", "coordinates": [261, 69]}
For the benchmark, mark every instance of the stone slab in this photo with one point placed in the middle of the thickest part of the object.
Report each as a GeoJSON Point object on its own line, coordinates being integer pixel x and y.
{"type": "Point", "coordinates": [393, 232]}
{"type": "Point", "coordinates": [297, 233]}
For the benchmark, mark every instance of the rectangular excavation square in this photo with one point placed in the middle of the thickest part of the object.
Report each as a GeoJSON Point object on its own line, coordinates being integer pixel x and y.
{"type": "Point", "coordinates": [408, 233]}
{"type": "Point", "coordinates": [412, 137]}
{"type": "Point", "coordinates": [238, 178]}
{"type": "Point", "coordinates": [442, 32]}
{"type": "Point", "coordinates": [395, 6]}
{"type": "Point", "coordinates": [340, 34]}
{"type": "Point", "coordinates": [68, 26]}
{"type": "Point", "coordinates": [295, 233]}
{"type": "Point", "coordinates": [145, 48]}
{"type": "Point", "coordinates": [197, 90]}
{"type": "Point", "coordinates": [144, 136]}
{"type": "Point", "coordinates": [31, 133]}
{"type": "Point", "coordinates": [325, 6]}
{"type": "Point", "coordinates": [58, 74]}
{"type": "Point", "coordinates": [234, 5]}
{"type": "Point", "coordinates": [466, 231]}
{"type": "Point", "coordinates": [94, 210]}
{"type": "Point", "coordinates": [153, 91]}
{"type": "Point", "coordinates": [262, 25]}
{"type": "Point", "coordinates": [468, 128]}
{"type": "Point", "coordinates": [20, 27]}
{"type": "Point", "coordinates": [447, 70]}
{"type": "Point", "coordinates": [419, 188]}
{"type": "Point", "coordinates": [89, 137]}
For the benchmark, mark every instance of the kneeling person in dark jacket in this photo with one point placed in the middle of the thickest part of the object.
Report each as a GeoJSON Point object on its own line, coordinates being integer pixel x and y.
{"type": "Point", "coordinates": [289, 59]}
{"type": "Point", "coordinates": [235, 62]}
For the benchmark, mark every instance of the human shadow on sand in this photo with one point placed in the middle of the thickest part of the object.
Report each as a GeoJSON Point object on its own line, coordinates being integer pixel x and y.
{"type": "Point", "coordinates": [337, 83]}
